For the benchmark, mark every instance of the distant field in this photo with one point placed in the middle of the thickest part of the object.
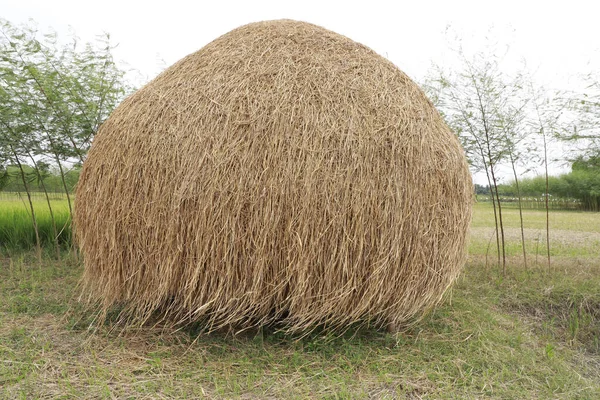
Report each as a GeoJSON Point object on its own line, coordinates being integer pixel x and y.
{"type": "Point", "coordinates": [573, 220]}
{"type": "Point", "coordinates": [572, 233]}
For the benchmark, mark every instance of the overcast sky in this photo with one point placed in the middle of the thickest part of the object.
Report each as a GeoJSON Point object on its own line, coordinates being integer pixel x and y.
{"type": "Point", "coordinates": [558, 39]}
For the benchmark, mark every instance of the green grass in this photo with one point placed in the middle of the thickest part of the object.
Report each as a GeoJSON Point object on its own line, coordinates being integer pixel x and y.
{"type": "Point", "coordinates": [16, 225]}
{"type": "Point", "coordinates": [570, 220]}
{"type": "Point", "coordinates": [573, 234]}
{"type": "Point", "coordinates": [530, 334]}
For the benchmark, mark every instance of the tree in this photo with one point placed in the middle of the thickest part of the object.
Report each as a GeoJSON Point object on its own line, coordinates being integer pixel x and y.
{"type": "Point", "coordinates": [584, 181]}
{"type": "Point", "coordinates": [486, 109]}
{"type": "Point", "coordinates": [53, 98]}
{"type": "Point", "coordinates": [547, 122]}
{"type": "Point", "coordinates": [480, 189]}
{"type": "Point", "coordinates": [4, 177]}
{"type": "Point", "coordinates": [585, 107]}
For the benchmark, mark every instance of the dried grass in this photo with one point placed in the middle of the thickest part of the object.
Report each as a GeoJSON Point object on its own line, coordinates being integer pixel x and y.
{"type": "Point", "coordinates": [281, 173]}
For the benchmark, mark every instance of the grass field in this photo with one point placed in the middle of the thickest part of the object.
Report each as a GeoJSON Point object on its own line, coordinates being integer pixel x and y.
{"type": "Point", "coordinates": [533, 333]}
{"type": "Point", "coordinates": [573, 234]}
{"type": "Point", "coordinates": [16, 226]}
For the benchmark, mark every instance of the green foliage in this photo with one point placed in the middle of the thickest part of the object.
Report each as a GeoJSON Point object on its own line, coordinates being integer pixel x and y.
{"type": "Point", "coordinates": [584, 131]}
{"type": "Point", "coordinates": [51, 179]}
{"type": "Point", "coordinates": [4, 177]}
{"type": "Point", "coordinates": [480, 189]}
{"type": "Point", "coordinates": [588, 164]}
{"type": "Point", "coordinates": [489, 110]}
{"type": "Point", "coordinates": [582, 183]}
{"type": "Point", "coordinates": [53, 97]}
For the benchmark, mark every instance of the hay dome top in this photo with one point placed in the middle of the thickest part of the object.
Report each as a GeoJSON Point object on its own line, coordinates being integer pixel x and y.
{"type": "Point", "coordinates": [282, 172]}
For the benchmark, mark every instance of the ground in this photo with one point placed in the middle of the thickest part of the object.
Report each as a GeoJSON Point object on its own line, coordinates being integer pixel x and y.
{"type": "Point", "coordinates": [529, 333]}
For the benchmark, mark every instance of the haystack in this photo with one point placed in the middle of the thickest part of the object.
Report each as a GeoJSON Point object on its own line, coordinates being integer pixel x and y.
{"type": "Point", "coordinates": [283, 173]}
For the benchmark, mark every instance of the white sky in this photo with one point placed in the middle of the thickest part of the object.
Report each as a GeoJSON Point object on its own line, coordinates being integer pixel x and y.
{"type": "Point", "coordinates": [558, 39]}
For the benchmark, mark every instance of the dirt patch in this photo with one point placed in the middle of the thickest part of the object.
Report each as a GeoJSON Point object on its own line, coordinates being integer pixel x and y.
{"type": "Point", "coordinates": [557, 236]}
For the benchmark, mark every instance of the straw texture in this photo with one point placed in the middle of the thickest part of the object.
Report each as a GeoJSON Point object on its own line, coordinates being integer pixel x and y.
{"type": "Point", "coordinates": [282, 173]}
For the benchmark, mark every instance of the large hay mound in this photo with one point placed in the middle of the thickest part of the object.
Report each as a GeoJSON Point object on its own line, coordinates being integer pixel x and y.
{"type": "Point", "coordinates": [281, 173]}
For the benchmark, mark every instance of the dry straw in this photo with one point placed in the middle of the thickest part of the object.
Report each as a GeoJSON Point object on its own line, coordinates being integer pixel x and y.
{"type": "Point", "coordinates": [283, 173]}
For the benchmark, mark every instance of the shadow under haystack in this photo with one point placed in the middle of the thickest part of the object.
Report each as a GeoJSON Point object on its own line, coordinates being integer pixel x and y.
{"type": "Point", "coordinates": [281, 173]}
